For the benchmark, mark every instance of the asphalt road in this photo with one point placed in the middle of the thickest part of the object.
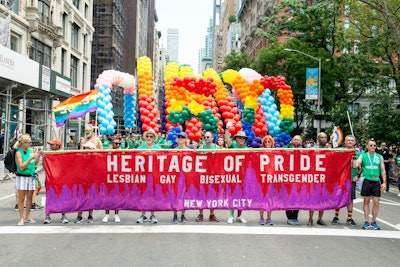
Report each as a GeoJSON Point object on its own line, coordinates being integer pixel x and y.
{"type": "Point", "coordinates": [198, 244]}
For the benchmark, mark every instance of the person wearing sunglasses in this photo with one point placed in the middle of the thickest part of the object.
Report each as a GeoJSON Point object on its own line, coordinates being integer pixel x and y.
{"type": "Point", "coordinates": [55, 145]}
{"type": "Point", "coordinates": [239, 141]}
{"type": "Point", "coordinates": [26, 159]}
{"type": "Point", "coordinates": [116, 144]}
{"type": "Point", "coordinates": [181, 140]}
{"type": "Point", "coordinates": [208, 144]}
{"type": "Point", "coordinates": [372, 165]}
{"type": "Point", "coordinates": [150, 138]}
{"type": "Point", "coordinates": [267, 142]}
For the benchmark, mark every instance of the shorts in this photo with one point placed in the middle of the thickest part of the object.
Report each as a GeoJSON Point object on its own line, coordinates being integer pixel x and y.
{"type": "Point", "coordinates": [353, 190]}
{"type": "Point", "coordinates": [25, 183]}
{"type": "Point", "coordinates": [371, 188]}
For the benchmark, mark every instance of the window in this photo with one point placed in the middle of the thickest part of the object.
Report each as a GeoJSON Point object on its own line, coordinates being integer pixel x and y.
{"type": "Point", "coordinates": [83, 75]}
{"type": "Point", "coordinates": [86, 11]}
{"type": "Point", "coordinates": [44, 11]}
{"type": "Point", "coordinates": [64, 22]}
{"type": "Point", "coordinates": [74, 71]}
{"type": "Point", "coordinates": [14, 43]}
{"type": "Point", "coordinates": [12, 4]}
{"type": "Point", "coordinates": [84, 44]}
{"type": "Point", "coordinates": [63, 52]}
{"type": "Point", "coordinates": [76, 3]}
{"type": "Point", "coordinates": [74, 35]}
{"type": "Point", "coordinates": [40, 53]}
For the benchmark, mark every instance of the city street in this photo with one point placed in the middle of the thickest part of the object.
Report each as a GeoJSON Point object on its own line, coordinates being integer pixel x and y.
{"type": "Point", "coordinates": [197, 244]}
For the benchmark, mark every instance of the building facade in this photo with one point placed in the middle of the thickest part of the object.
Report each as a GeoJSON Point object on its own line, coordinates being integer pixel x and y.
{"type": "Point", "coordinates": [48, 60]}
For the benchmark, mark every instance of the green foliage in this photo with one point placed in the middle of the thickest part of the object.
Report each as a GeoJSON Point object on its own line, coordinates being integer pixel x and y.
{"type": "Point", "coordinates": [232, 19]}
{"type": "Point", "coordinates": [236, 61]}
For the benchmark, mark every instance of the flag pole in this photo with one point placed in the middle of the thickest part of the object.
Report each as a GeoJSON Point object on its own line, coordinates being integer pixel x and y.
{"type": "Point", "coordinates": [350, 123]}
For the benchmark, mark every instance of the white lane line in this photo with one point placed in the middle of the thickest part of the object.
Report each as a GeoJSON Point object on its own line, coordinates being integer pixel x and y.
{"type": "Point", "coordinates": [197, 229]}
{"type": "Point", "coordinates": [2, 198]}
{"type": "Point", "coordinates": [379, 220]}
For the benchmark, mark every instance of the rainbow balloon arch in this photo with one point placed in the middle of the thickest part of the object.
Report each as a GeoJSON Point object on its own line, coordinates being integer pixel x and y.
{"type": "Point", "coordinates": [193, 103]}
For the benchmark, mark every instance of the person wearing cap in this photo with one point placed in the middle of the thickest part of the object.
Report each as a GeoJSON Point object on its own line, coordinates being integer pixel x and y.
{"type": "Point", "coordinates": [90, 137]}
{"type": "Point", "coordinates": [208, 144]}
{"type": "Point", "coordinates": [150, 137]}
{"type": "Point", "coordinates": [116, 144]}
{"type": "Point", "coordinates": [182, 138]}
{"type": "Point", "coordinates": [240, 139]}
{"type": "Point", "coordinates": [55, 145]}
{"type": "Point", "coordinates": [267, 142]}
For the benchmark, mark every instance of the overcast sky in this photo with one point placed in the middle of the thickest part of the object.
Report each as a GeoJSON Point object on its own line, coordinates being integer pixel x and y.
{"type": "Point", "coordinates": [191, 17]}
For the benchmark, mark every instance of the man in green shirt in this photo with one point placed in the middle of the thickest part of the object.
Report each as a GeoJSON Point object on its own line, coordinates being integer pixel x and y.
{"type": "Point", "coordinates": [372, 166]}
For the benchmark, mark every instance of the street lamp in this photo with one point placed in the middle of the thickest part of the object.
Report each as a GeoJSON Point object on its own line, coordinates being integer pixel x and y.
{"type": "Point", "coordinates": [319, 81]}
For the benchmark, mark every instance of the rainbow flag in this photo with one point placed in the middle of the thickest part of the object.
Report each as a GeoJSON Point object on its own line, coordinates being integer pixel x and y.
{"type": "Point", "coordinates": [76, 107]}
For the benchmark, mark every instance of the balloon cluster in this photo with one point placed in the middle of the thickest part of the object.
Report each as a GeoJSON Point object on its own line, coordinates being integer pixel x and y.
{"type": "Point", "coordinates": [129, 110]}
{"type": "Point", "coordinates": [270, 112]}
{"type": "Point", "coordinates": [285, 96]}
{"type": "Point", "coordinates": [148, 112]}
{"type": "Point", "coordinates": [259, 126]}
{"type": "Point", "coordinates": [105, 116]}
{"type": "Point", "coordinates": [104, 83]}
{"type": "Point", "coordinates": [173, 134]}
{"type": "Point", "coordinates": [193, 129]}
{"type": "Point", "coordinates": [199, 86]}
{"type": "Point", "coordinates": [282, 139]}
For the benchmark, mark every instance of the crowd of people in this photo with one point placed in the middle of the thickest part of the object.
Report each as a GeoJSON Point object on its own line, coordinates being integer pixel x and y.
{"type": "Point", "coordinates": [374, 166]}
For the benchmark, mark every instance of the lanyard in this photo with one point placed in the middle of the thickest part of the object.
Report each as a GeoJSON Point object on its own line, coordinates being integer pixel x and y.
{"type": "Point", "coordinates": [373, 160]}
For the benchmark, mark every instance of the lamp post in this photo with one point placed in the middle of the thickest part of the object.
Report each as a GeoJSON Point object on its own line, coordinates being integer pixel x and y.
{"type": "Point", "coordinates": [319, 82]}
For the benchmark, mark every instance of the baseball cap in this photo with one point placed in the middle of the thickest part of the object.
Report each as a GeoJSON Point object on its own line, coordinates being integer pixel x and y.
{"type": "Point", "coordinates": [183, 134]}
{"type": "Point", "coordinates": [55, 142]}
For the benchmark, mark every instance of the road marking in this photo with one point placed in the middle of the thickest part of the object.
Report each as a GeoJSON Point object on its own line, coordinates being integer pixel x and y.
{"type": "Point", "coordinates": [2, 198]}
{"type": "Point", "coordinates": [380, 220]}
{"type": "Point", "coordinates": [197, 229]}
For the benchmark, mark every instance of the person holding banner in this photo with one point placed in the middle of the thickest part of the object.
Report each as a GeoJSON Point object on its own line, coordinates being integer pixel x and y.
{"type": "Point", "coordinates": [372, 165]}
{"type": "Point", "coordinates": [292, 215]}
{"type": "Point", "coordinates": [182, 144]}
{"type": "Point", "coordinates": [116, 143]}
{"type": "Point", "coordinates": [208, 144]}
{"type": "Point", "coordinates": [240, 139]}
{"type": "Point", "coordinates": [322, 142]}
{"type": "Point", "coordinates": [150, 138]}
{"type": "Point", "coordinates": [349, 143]}
{"type": "Point", "coordinates": [79, 219]}
{"type": "Point", "coordinates": [267, 142]}
{"type": "Point", "coordinates": [55, 145]}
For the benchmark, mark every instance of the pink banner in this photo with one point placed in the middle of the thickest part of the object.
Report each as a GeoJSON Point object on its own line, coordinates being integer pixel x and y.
{"type": "Point", "coordinates": [277, 179]}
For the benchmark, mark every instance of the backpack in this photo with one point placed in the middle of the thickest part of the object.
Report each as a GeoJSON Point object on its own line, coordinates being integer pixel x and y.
{"type": "Point", "coordinates": [9, 160]}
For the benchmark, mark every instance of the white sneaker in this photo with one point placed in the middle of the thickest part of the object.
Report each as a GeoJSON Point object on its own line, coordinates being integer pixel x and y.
{"type": "Point", "coordinates": [153, 219]}
{"type": "Point", "coordinates": [64, 219]}
{"type": "Point", "coordinates": [117, 219]}
{"type": "Point", "coordinates": [241, 219]}
{"type": "Point", "coordinates": [230, 219]}
{"type": "Point", "coordinates": [105, 219]}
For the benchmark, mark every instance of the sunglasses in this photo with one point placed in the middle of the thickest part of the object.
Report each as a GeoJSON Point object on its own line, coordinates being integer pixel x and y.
{"type": "Point", "coordinates": [207, 137]}
{"type": "Point", "coordinates": [372, 145]}
{"type": "Point", "coordinates": [241, 137]}
{"type": "Point", "coordinates": [149, 136]}
{"type": "Point", "coordinates": [181, 137]}
{"type": "Point", "coordinates": [117, 144]}
{"type": "Point", "coordinates": [28, 143]}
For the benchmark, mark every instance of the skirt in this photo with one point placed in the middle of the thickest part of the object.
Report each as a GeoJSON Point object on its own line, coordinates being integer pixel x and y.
{"type": "Point", "coordinates": [25, 183]}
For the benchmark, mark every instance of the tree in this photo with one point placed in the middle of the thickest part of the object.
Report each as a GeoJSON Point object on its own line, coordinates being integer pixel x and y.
{"type": "Point", "coordinates": [236, 61]}
{"type": "Point", "coordinates": [378, 33]}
